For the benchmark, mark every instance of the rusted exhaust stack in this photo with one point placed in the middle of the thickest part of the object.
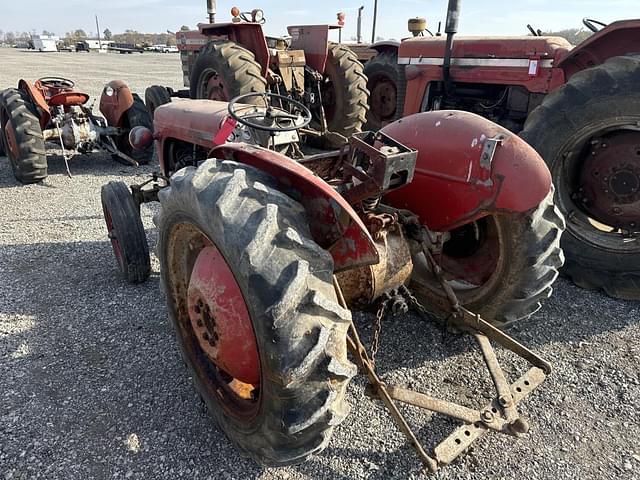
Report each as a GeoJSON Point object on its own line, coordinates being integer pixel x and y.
{"type": "Point", "coordinates": [211, 10]}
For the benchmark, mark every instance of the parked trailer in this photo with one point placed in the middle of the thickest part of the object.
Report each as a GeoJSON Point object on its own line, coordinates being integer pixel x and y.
{"type": "Point", "coordinates": [45, 43]}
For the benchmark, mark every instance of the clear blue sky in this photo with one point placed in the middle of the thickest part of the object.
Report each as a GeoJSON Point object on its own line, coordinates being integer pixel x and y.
{"type": "Point", "coordinates": [478, 16]}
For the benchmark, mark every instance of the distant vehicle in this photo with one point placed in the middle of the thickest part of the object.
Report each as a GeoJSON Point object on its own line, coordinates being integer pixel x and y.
{"type": "Point", "coordinates": [45, 43]}
{"type": "Point", "coordinates": [164, 49]}
{"type": "Point", "coordinates": [82, 47]}
{"type": "Point", "coordinates": [125, 48]}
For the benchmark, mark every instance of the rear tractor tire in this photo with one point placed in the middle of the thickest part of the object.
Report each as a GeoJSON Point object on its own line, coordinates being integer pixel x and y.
{"type": "Point", "coordinates": [587, 132]}
{"type": "Point", "coordinates": [276, 389]}
{"type": "Point", "coordinates": [156, 96]}
{"type": "Point", "coordinates": [22, 138]}
{"type": "Point", "coordinates": [344, 91]}
{"type": "Point", "coordinates": [225, 70]}
{"type": "Point", "coordinates": [502, 266]}
{"type": "Point", "coordinates": [126, 232]}
{"type": "Point", "coordinates": [387, 85]}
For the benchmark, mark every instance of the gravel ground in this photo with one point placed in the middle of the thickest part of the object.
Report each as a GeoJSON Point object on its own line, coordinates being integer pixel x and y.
{"type": "Point", "coordinates": [92, 384]}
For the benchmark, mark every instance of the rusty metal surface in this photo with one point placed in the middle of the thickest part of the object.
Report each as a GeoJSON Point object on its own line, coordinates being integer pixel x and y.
{"type": "Point", "coordinates": [462, 438]}
{"type": "Point", "coordinates": [67, 99]}
{"type": "Point", "coordinates": [450, 147]}
{"type": "Point", "coordinates": [501, 415]}
{"type": "Point", "coordinates": [39, 100]}
{"type": "Point", "coordinates": [115, 106]}
{"type": "Point", "coordinates": [618, 38]}
{"type": "Point", "coordinates": [314, 40]}
{"type": "Point", "coordinates": [362, 286]}
{"type": "Point", "coordinates": [609, 180]}
{"type": "Point", "coordinates": [220, 319]}
{"type": "Point", "coordinates": [334, 224]}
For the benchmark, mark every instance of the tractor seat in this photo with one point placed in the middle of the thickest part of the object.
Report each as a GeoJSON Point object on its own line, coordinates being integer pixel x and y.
{"type": "Point", "coordinates": [68, 99]}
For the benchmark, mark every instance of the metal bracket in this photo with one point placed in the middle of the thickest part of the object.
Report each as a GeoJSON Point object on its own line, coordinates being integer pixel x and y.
{"type": "Point", "coordinates": [489, 151]}
{"type": "Point", "coordinates": [500, 415]}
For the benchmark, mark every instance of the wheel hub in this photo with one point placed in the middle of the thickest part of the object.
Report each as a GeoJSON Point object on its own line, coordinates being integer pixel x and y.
{"type": "Point", "coordinates": [220, 318]}
{"type": "Point", "coordinates": [214, 87]}
{"type": "Point", "coordinates": [610, 180]}
{"type": "Point", "coordinates": [11, 142]}
{"type": "Point", "coordinates": [383, 99]}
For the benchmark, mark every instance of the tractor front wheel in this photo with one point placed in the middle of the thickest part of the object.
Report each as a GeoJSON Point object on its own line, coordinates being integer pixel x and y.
{"type": "Point", "coordinates": [501, 266]}
{"type": "Point", "coordinates": [255, 312]}
{"type": "Point", "coordinates": [587, 132]}
{"type": "Point", "coordinates": [126, 232]}
{"type": "Point", "coordinates": [22, 137]}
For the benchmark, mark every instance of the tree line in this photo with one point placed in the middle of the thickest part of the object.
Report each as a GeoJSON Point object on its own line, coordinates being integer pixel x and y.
{"type": "Point", "coordinates": [71, 38]}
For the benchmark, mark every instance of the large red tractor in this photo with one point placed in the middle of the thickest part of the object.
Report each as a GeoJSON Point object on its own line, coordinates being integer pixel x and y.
{"type": "Point", "coordinates": [51, 110]}
{"type": "Point", "coordinates": [221, 61]}
{"type": "Point", "coordinates": [578, 106]}
{"type": "Point", "coordinates": [264, 256]}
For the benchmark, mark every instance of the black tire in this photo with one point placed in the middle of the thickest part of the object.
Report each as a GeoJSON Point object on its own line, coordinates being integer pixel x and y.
{"type": "Point", "coordinates": [528, 263]}
{"type": "Point", "coordinates": [344, 91]}
{"type": "Point", "coordinates": [155, 97]}
{"type": "Point", "coordinates": [594, 101]}
{"type": "Point", "coordinates": [29, 162]}
{"type": "Point", "coordinates": [234, 66]}
{"type": "Point", "coordinates": [136, 116]}
{"type": "Point", "coordinates": [286, 281]}
{"type": "Point", "coordinates": [387, 85]}
{"type": "Point", "coordinates": [126, 232]}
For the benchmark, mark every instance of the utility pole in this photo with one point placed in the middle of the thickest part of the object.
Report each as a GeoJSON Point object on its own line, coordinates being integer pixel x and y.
{"type": "Point", "coordinates": [98, 30]}
{"type": "Point", "coordinates": [375, 19]}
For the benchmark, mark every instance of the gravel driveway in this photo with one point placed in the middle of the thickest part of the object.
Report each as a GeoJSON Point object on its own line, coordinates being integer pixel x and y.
{"type": "Point", "coordinates": [92, 384]}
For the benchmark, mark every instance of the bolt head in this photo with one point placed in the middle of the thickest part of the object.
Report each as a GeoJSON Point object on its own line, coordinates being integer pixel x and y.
{"type": "Point", "coordinates": [504, 401]}
{"type": "Point", "coordinates": [487, 416]}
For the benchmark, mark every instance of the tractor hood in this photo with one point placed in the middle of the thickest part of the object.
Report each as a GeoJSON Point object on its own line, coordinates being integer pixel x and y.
{"type": "Point", "coordinates": [192, 121]}
{"type": "Point", "coordinates": [431, 50]}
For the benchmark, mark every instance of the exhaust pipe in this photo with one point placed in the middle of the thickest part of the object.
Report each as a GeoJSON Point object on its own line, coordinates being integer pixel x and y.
{"type": "Point", "coordinates": [451, 28]}
{"type": "Point", "coordinates": [211, 10]}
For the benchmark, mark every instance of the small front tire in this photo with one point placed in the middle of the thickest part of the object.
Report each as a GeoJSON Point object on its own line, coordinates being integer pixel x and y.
{"type": "Point", "coordinates": [126, 232]}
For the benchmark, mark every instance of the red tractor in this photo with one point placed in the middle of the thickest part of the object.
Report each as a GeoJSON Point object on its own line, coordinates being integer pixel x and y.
{"type": "Point", "coordinates": [578, 106]}
{"type": "Point", "coordinates": [52, 111]}
{"type": "Point", "coordinates": [264, 256]}
{"type": "Point", "coordinates": [224, 60]}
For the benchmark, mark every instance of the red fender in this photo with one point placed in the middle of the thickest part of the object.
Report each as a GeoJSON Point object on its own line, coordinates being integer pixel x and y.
{"type": "Point", "coordinates": [458, 177]}
{"type": "Point", "coordinates": [334, 225]}
{"type": "Point", "coordinates": [38, 99]}
{"type": "Point", "coordinates": [619, 38]}
{"type": "Point", "coordinates": [114, 106]}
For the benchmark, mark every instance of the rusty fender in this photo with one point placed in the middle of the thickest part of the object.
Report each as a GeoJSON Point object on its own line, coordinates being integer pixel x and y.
{"type": "Point", "coordinates": [116, 99]}
{"type": "Point", "coordinates": [468, 167]}
{"type": "Point", "coordinates": [334, 225]}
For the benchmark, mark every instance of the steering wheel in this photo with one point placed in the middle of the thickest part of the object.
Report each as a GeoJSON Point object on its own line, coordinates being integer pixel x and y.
{"type": "Point", "coordinates": [255, 16]}
{"type": "Point", "coordinates": [271, 118]}
{"type": "Point", "coordinates": [57, 82]}
{"type": "Point", "coordinates": [535, 33]}
{"type": "Point", "coordinates": [589, 23]}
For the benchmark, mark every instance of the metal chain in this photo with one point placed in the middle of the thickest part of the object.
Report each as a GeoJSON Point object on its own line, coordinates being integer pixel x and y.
{"type": "Point", "coordinates": [377, 329]}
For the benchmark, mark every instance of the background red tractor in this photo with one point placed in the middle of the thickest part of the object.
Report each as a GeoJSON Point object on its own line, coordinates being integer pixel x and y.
{"type": "Point", "coordinates": [224, 60]}
{"type": "Point", "coordinates": [579, 107]}
{"type": "Point", "coordinates": [263, 256]}
{"type": "Point", "coordinates": [52, 111]}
